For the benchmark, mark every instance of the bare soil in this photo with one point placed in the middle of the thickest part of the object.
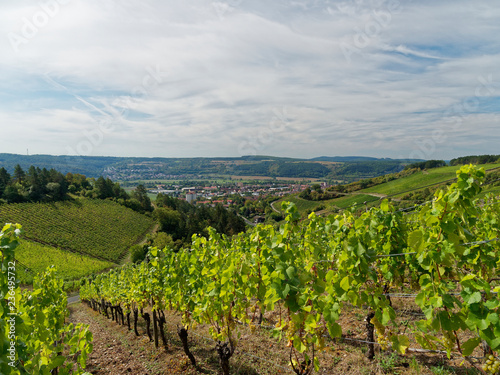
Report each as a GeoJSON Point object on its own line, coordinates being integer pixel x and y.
{"type": "Point", "coordinates": [119, 351]}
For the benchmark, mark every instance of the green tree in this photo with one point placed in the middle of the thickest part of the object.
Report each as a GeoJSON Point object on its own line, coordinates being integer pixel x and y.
{"type": "Point", "coordinates": [19, 174]}
{"type": "Point", "coordinates": [36, 189]}
{"type": "Point", "coordinates": [170, 222]}
{"type": "Point", "coordinates": [103, 188]}
{"type": "Point", "coordinates": [141, 194]}
{"type": "Point", "coordinates": [5, 180]}
{"type": "Point", "coordinates": [163, 240]}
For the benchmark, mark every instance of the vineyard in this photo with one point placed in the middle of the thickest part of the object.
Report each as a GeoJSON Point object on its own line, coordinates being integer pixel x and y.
{"type": "Point", "coordinates": [34, 338]}
{"type": "Point", "coordinates": [99, 228]}
{"type": "Point", "coordinates": [34, 258]}
{"type": "Point", "coordinates": [441, 257]}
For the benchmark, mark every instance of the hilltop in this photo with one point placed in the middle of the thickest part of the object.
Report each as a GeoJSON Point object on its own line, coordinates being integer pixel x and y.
{"type": "Point", "coordinates": [137, 168]}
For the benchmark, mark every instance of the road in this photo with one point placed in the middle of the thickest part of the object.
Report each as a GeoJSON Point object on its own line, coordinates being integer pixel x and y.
{"type": "Point", "coordinates": [274, 209]}
{"type": "Point", "coordinates": [247, 221]}
{"type": "Point", "coordinates": [73, 299]}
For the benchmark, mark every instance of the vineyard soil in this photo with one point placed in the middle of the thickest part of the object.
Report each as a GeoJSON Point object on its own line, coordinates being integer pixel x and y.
{"type": "Point", "coordinates": [119, 351]}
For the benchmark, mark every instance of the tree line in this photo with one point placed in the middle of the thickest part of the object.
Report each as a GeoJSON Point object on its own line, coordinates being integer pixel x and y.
{"type": "Point", "coordinates": [429, 164]}
{"type": "Point", "coordinates": [475, 159]}
{"type": "Point", "coordinates": [49, 185]}
{"type": "Point", "coordinates": [181, 219]}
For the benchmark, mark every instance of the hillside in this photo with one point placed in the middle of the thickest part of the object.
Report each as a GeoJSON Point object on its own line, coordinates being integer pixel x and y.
{"type": "Point", "coordinates": [34, 258]}
{"type": "Point", "coordinates": [134, 168]}
{"type": "Point", "coordinates": [407, 190]}
{"type": "Point", "coordinates": [101, 229]}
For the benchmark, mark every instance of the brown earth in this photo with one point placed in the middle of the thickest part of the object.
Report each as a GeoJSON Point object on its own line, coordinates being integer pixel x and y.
{"type": "Point", "coordinates": [119, 351]}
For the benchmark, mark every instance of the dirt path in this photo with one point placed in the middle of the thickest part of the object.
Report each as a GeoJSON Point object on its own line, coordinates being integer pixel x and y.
{"type": "Point", "coordinates": [154, 229]}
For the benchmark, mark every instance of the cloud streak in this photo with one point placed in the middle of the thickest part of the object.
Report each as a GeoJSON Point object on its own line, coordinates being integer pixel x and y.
{"type": "Point", "coordinates": [205, 78]}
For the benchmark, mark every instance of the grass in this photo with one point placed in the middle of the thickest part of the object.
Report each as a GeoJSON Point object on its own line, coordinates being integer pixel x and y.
{"type": "Point", "coordinates": [351, 200]}
{"type": "Point", "coordinates": [69, 266]}
{"type": "Point", "coordinates": [387, 362]}
{"type": "Point", "coordinates": [302, 204]}
{"type": "Point", "coordinates": [419, 180]}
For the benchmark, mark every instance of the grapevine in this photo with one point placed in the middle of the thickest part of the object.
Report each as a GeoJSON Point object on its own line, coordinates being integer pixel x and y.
{"type": "Point", "coordinates": [98, 228]}
{"type": "Point", "coordinates": [307, 271]}
{"type": "Point", "coordinates": [33, 322]}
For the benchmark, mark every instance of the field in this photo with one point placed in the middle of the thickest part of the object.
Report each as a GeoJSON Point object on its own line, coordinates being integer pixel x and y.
{"type": "Point", "coordinates": [352, 200]}
{"type": "Point", "coordinates": [101, 229]}
{"type": "Point", "coordinates": [301, 204]}
{"type": "Point", "coordinates": [69, 266]}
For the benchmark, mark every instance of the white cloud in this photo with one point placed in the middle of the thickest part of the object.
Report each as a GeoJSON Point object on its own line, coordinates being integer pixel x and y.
{"type": "Point", "coordinates": [204, 78]}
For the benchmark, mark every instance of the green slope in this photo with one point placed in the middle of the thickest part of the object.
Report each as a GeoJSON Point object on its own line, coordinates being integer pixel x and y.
{"type": "Point", "coordinates": [395, 188]}
{"type": "Point", "coordinates": [70, 266]}
{"type": "Point", "coordinates": [419, 180]}
{"type": "Point", "coordinates": [302, 204]}
{"type": "Point", "coordinates": [98, 228]}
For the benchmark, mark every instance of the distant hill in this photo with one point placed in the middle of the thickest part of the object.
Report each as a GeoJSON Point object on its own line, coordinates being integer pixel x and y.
{"type": "Point", "coordinates": [133, 168]}
{"type": "Point", "coordinates": [345, 159]}
{"type": "Point", "coordinates": [91, 166]}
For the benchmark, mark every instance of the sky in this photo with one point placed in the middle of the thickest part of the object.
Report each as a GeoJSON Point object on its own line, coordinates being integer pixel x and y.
{"type": "Point", "coordinates": [198, 78]}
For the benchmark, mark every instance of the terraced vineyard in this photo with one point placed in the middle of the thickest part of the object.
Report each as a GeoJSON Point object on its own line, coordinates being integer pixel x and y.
{"type": "Point", "coordinates": [70, 266]}
{"type": "Point", "coordinates": [99, 228]}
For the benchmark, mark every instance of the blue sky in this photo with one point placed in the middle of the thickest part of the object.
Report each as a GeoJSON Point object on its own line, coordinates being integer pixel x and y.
{"type": "Point", "coordinates": [400, 79]}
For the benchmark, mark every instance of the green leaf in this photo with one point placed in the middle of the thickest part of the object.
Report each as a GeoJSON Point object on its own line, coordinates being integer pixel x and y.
{"type": "Point", "coordinates": [290, 272]}
{"type": "Point", "coordinates": [415, 240]}
{"type": "Point", "coordinates": [299, 345]}
{"type": "Point", "coordinates": [286, 290]}
{"type": "Point", "coordinates": [40, 318]}
{"type": "Point", "coordinates": [344, 283]}
{"type": "Point", "coordinates": [57, 362]}
{"type": "Point", "coordinates": [469, 346]}
{"type": "Point", "coordinates": [334, 329]}
{"type": "Point", "coordinates": [384, 206]}
{"type": "Point", "coordinates": [472, 298]}
{"type": "Point", "coordinates": [387, 315]}
{"type": "Point", "coordinates": [316, 364]}
{"type": "Point", "coordinates": [400, 343]}
{"type": "Point", "coordinates": [493, 318]}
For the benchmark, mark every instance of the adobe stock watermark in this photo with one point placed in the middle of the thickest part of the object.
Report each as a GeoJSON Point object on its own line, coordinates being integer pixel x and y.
{"type": "Point", "coordinates": [253, 144]}
{"type": "Point", "coordinates": [116, 112]}
{"type": "Point", "coordinates": [48, 9]}
{"type": "Point", "coordinates": [379, 20]}
{"type": "Point", "coordinates": [12, 313]}
{"type": "Point", "coordinates": [225, 8]}
{"type": "Point", "coordinates": [455, 116]}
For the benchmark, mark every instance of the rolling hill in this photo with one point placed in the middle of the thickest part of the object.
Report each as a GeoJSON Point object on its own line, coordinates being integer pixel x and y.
{"type": "Point", "coordinates": [404, 190]}
{"type": "Point", "coordinates": [79, 236]}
